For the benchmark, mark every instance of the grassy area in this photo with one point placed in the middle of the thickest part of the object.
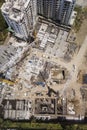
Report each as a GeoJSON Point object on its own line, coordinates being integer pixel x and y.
{"type": "Point", "coordinates": [40, 126]}
{"type": "Point", "coordinates": [79, 18]}
{"type": "Point", "coordinates": [3, 26]}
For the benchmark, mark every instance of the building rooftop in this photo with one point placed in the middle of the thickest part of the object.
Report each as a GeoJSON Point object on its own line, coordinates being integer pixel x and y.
{"type": "Point", "coordinates": [10, 53]}
{"type": "Point", "coordinates": [17, 16]}
{"type": "Point", "coordinates": [6, 52]}
{"type": "Point", "coordinates": [14, 8]}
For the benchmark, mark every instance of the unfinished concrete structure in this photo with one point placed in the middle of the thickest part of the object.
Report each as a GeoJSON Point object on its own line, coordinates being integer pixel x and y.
{"type": "Point", "coordinates": [17, 109]}
{"type": "Point", "coordinates": [44, 73]}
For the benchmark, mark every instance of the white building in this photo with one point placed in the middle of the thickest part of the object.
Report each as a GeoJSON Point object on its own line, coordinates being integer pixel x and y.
{"type": "Point", "coordinates": [20, 16]}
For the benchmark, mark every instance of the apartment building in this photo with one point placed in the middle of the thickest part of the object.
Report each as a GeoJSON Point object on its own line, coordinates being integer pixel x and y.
{"type": "Point", "coordinates": [20, 16]}
{"type": "Point", "coordinates": [58, 10]}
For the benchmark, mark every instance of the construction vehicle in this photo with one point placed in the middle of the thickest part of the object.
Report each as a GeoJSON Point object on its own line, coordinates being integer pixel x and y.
{"type": "Point", "coordinates": [9, 82]}
{"type": "Point", "coordinates": [6, 81]}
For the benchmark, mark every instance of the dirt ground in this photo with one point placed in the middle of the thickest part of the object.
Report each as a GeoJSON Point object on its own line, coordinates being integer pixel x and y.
{"type": "Point", "coordinates": [82, 3]}
{"type": "Point", "coordinates": [82, 32]}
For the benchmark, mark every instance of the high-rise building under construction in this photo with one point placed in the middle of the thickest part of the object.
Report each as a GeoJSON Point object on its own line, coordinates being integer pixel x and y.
{"type": "Point", "coordinates": [20, 16]}
{"type": "Point", "coordinates": [58, 10]}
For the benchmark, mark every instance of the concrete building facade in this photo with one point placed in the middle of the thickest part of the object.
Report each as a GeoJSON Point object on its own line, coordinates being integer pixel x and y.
{"type": "Point", "coordinates": [20, 16]}
{"type": "Point", "coordinates": [58, 10]}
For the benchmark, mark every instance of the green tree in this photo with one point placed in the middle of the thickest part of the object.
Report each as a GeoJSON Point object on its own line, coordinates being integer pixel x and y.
{"type": "Point", "coordinates": [68, 127]}
{"type": "Point", "coordinates": [3, 26]}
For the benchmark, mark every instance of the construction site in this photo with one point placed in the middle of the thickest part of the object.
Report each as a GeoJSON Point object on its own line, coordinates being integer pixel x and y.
{"type": "Point", "coordinates": [43, 77]}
